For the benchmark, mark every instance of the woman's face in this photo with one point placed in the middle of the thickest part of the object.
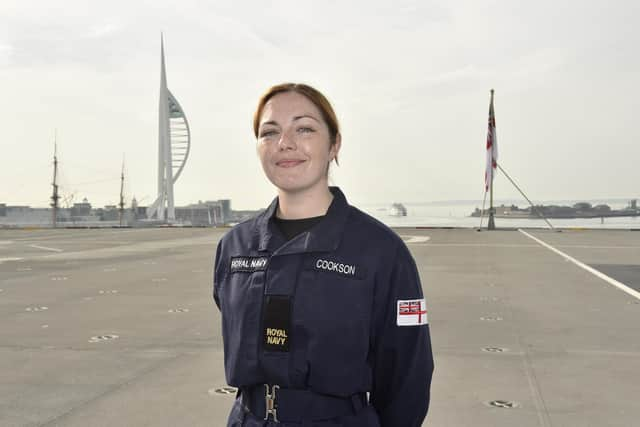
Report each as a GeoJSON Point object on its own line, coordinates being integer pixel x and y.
{"type": "Point", "coordinates": [293, 143]}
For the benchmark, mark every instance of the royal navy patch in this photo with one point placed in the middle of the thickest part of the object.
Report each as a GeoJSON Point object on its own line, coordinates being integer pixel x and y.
{"type": "Point", "coordinates": [248, 263]}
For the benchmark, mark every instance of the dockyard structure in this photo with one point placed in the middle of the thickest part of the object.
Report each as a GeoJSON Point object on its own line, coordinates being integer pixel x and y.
{"type": "Point", "coordinates": [25, 215]}
{"type": "Point", "coordinates": [82, 209]}
{"type": "Point", "coordinates": [201, 214]}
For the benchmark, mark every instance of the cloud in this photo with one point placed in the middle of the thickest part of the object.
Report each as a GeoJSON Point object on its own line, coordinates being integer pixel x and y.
{"type": "Point", "coordinates": [103, 30]}
{"type": "Point", "coordinates": [6, 51]}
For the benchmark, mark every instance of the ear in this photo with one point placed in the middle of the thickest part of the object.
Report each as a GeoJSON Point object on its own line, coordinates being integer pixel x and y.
{"type": "Point", "coordinates": [335, 148]}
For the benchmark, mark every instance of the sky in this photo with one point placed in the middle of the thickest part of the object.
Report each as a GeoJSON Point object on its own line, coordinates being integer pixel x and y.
{"type": "Point", "coordinates": [409, 80]}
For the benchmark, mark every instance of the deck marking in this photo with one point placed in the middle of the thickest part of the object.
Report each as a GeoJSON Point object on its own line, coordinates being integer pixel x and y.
{"type": "Point", "coordinates": [598, 247]}
{"type": "Point", "coordinates": [591, 270]}
{"type": "Point", "coordinates": [534, 387]}
{"type": "Point", "coordinates": [46, 248]}
{"type": "Point", "coordinates": [9, 259]}
{"type": "Point", "coordinates": [416, 239]}
{"type": "Point", "coordinates": [485, 245]}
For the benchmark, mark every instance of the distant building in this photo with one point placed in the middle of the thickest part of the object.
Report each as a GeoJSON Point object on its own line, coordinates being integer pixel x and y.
{"type": "Point", "coordinates": [201, 214]}
{"type": "Point", "coordinates": [207, 213]}
{"type": "Point", "coordinates": [81, 209]}
{"type": "Point", "coordinates": [108, 213]}
{"type": "Point", "coordinates": [18, 216]}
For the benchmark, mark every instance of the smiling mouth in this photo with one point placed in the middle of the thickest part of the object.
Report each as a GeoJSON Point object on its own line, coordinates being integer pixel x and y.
{"type": "Point", "coordinates": [289, 163]}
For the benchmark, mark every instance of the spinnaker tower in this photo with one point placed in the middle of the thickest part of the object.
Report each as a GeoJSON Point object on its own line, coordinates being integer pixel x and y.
{"type": "Point", "coordinates": [174, 143]}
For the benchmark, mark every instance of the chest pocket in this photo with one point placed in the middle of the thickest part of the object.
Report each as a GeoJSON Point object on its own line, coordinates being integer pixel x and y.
{"type": "Point", "coordinates": [335, 299]}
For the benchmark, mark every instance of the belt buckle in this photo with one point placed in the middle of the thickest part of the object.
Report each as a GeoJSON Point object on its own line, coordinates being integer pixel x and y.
{"type": "Point", "coordinates": [270, 402]}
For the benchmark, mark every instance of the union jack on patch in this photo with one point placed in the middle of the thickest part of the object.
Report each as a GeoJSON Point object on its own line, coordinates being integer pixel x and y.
{"type": "Point", "coordinates": [412, 312]}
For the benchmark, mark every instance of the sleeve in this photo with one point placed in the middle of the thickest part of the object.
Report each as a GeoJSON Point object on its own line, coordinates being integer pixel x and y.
{"type": "Point", "coordinates": [217, 273]}
{"type": "Point", "coordinates": [402, 359]}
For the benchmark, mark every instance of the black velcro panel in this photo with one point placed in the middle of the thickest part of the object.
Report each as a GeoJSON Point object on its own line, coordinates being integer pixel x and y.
{"type": "Point", "coordinates": [276, 323]}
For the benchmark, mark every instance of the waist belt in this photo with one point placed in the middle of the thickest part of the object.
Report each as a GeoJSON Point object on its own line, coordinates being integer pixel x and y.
{"type": "Point", "coordinates": [293, 405]}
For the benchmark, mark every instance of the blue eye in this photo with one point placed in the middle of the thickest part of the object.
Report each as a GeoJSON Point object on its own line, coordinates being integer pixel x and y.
{"type": "Point", "coordinates": [267, 133]}
{"type": "Point", "coordinates": [305, 130]}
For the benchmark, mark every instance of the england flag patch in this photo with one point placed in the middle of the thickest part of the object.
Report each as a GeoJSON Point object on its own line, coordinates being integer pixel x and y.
{"type": "Point", "coordinates": [412, 312]}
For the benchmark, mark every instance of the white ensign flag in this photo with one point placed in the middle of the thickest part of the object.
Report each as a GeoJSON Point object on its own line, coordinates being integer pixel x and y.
{"type": "Point", "coordinates": [492, 147]}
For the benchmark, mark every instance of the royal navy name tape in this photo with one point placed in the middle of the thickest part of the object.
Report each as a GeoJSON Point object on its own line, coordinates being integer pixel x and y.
{"type": "Point", "coordinates": [248, 263]}
{"type": "Point", "coordinates": [412, 312]}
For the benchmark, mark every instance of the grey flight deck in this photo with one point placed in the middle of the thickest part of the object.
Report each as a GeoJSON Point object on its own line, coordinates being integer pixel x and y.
{"type": "Point", "coordinates": [570, 340]}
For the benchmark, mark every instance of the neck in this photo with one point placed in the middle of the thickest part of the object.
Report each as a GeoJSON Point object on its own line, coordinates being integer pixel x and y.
{"type": "Point", "coordinates": [304, 204]}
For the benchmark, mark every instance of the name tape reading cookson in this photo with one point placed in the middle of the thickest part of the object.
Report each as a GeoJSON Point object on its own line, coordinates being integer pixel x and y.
{"type": "Point", "coordinates": [336, 267]}
{"type": "Point", "coordinates": [412, 312]}
{"type": "Point", "coordinates": [249, 263]}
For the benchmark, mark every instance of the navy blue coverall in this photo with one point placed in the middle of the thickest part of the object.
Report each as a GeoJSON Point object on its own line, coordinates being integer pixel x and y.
{"type": "Point", "coordinates": [328, 316]}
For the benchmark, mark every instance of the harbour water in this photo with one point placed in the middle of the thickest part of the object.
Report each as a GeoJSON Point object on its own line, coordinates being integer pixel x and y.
{"type": "Point", "coordinates": [457, 214]}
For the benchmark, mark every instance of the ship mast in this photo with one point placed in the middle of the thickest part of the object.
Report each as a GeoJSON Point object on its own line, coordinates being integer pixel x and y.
{"type": "Point", "coordinates": [55, 197]}
{"type": "Point", "coordinates": [121, 204]}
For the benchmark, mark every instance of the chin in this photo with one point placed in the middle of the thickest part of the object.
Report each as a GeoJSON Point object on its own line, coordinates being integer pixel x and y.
{"type": "Point", "coordinates": [293, 187]}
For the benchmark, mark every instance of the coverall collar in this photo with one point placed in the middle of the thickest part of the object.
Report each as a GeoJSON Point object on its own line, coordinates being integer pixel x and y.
{"type": "Point", "coordinates": [323, 237]}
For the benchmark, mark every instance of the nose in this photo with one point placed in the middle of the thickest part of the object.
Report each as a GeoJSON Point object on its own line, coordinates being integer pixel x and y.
{"type": "Point", "coordinates": [287, 141]}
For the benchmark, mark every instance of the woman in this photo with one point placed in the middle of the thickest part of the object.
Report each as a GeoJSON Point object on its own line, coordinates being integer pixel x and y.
{"type": "Point", "coordinates": [323, 318]}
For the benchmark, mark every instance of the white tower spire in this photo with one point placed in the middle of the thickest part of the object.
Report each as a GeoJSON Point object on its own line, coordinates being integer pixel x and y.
{"type": "Point", "coordinates": [174, 143]}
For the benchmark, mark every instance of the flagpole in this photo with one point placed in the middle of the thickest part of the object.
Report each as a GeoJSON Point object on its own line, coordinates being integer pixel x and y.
{"type": "Point", "coordinates": [484, 199]}
{"type": "Point", "coordinates": [492, 224]}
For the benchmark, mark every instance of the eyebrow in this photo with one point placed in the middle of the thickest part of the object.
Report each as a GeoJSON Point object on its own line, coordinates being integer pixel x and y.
{"type": "Point", "coordinates": [273, 122]}
{"type": "Point", "coordinates": [305, 115]}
